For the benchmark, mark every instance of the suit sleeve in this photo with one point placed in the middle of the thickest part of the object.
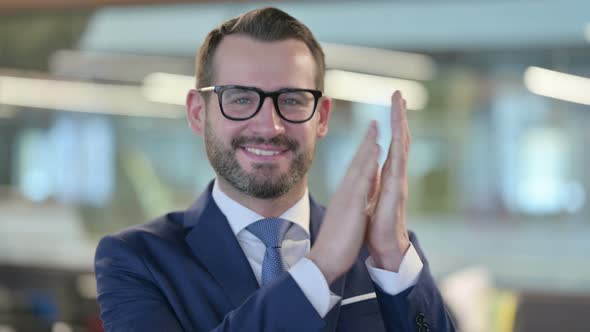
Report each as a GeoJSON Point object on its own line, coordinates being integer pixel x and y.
{"type": "Point", "coordinates": [130, 300]}
{"type": "Point", "coordinates": [419, 308]}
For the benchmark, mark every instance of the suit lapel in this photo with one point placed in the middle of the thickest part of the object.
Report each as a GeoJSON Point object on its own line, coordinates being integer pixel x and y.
{"type": "Point", "coordinates": [213, 243]}
{"type": "Point", "coordinates": [337, 287]}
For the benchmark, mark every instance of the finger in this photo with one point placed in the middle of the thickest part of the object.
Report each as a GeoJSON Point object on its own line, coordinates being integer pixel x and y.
{"type": "Point", "coordinates": [375, 182]}
{"type": "Point", "coordinates": [408, 134]}
{"type": "Point", "coordinates": [401, 159]}
{"type": "Point", "coordinates": [393, 174]}
{"type": "Point", "coordinates": [357, 172]}
{"type": "Point", "coordinates": [397, 108]}
{"type": "Point", "coordinates": [400, 123]}
{"type": "Point", "coordinates": [364, 150]}
{"type": "Point", "coordinates": [372, 173]}
{"type": "Point", "coordinates": [369, 185]}
{"type": "Point", "coordinates": [397, 132]}
{"type": "Point", "coordinates": [373, 196]}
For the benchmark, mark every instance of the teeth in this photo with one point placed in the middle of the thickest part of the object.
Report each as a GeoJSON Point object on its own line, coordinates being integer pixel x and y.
{"type": "Point", "coordinates": [262, 152]}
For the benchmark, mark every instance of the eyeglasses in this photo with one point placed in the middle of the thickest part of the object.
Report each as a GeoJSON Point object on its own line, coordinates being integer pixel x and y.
{"type": "Point", "coordinates": [241, 103]}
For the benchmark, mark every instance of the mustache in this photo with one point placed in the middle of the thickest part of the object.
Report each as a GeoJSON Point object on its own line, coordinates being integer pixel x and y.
{"type": "Point", "coordinates": [280, 141]}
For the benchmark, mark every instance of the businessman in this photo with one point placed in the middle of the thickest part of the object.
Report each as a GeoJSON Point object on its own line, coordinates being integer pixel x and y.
{"type": "Point", "coordinates": [255, 252]}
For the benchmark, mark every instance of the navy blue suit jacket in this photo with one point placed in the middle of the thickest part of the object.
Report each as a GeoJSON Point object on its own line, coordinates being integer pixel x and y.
{"type": "Point", "coordinates": [185, 271]}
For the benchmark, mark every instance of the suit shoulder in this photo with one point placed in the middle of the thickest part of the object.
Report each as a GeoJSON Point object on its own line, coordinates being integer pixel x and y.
{"type": "Point", "coordinates": [167, 228]}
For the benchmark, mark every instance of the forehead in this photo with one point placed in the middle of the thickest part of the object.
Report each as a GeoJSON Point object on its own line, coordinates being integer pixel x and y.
{"type": "Point", "coordinates": [243, 60]}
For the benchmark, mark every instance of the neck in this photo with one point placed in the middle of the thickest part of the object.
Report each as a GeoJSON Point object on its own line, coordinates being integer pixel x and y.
{"type": "Point", "coordinates": [270, 207]}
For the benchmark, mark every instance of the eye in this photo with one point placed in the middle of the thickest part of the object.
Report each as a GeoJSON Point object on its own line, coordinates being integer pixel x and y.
{"type": "Point", "coordinates": [290, 101]}
{"type": "Point", "coordinates": [239, 97]}
{"type": "Point", "coordinates": [242, 101]}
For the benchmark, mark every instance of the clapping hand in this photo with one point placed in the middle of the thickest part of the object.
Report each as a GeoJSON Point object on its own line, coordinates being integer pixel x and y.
{"type": "Point", "coordinates": [387, 234]}
{"type": "Point", "coordinates": [370, 205]}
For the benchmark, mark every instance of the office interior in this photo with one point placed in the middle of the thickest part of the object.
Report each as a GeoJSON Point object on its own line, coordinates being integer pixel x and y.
{"type": "Point", "coordinates": [94, 138]}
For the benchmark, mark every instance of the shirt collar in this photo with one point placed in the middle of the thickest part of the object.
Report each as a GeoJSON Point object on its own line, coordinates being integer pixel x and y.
{"type": "Point", "coordinates": [239, 216]}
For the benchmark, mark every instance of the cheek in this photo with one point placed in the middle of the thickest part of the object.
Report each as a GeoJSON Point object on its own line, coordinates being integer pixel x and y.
{"type": "Point", "coordinates": [223, 128]}
{"type": "Point", "coordinates": [312, 130]}
{"type": "Point", "coordinates": [307, 135]}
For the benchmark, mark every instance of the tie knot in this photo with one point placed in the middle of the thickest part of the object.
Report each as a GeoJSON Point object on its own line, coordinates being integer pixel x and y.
{"type": "Point", "coordinates": [270, 231]}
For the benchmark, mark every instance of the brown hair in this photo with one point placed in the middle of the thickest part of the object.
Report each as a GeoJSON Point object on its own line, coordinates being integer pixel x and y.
{"type": "Point", "coordinates": [267, 24]}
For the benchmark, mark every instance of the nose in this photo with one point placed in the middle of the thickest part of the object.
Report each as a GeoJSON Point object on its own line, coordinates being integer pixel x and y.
{"type": "Point", "coordinates": [267, 122]}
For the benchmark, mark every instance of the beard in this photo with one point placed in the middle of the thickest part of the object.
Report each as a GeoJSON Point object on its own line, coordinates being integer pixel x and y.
{"type": "Point", "coordinates": [263, 182]}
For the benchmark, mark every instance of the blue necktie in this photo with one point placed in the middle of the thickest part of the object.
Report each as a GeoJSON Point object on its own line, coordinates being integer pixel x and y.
{"type": "Point", "coordinates": [271, 232]}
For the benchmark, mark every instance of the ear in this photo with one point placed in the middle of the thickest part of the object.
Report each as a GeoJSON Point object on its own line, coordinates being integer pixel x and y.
{"type": "Point", "coordinates": [324, 108]}
{"type": "Point", "coordinates": [195, 111]}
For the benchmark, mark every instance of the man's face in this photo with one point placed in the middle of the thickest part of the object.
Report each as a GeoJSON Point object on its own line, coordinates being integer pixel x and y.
{"type": "Point", "coordinates": [264, 156]}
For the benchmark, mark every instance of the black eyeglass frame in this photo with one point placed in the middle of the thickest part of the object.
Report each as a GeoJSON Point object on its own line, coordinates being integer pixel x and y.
{"type": "Point", "coordinates": [274, 95]}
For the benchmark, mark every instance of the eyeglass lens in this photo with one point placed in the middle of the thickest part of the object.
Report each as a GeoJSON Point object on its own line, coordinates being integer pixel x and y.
{"type": "Point", "coordinates": [242, 103]}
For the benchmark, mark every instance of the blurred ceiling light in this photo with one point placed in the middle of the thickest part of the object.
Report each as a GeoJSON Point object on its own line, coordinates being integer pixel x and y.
{"type": "Point", "coordinates": [557, 85]}
{"type": "Point", "coordinates": [172, 88]}
{"type": "Point", "coordinates": [77, 97]}
{"type": "Point", "coordinates": [167, 88]}
{"type": "Point", "coordinates": [371, 89]}
{"type": "Point", "coordinates": [116, 67]}
{"type": "Point", "coordinates": [379, 61]}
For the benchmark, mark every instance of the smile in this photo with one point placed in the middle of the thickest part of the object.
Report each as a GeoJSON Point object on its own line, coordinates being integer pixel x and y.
{"type": "Point", "coordinates": [261, 152]}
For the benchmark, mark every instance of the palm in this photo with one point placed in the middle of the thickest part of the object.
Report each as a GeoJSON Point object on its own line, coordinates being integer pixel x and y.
{"type": "Point", "coordinates": [386, 235]}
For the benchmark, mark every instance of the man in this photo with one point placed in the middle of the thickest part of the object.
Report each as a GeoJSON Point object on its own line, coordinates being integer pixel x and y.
{"type": "Point", "coordinates": [250, 254]}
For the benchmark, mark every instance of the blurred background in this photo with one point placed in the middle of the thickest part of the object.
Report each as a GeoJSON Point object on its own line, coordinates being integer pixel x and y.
{"type": "Point", "coordinates": [93, 139]}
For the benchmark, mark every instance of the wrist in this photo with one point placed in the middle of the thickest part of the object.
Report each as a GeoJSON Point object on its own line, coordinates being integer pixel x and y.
{"type": "Point", "coordinates": [390, 259]}
{"type": "Point", "coordinates": [329, 272]}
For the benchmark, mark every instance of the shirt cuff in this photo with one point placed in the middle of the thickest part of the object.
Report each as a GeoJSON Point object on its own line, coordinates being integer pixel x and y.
{"type": "Point", "coordinates": [394, 283]}
{"type": "Point", "coordinates": [314, 285]}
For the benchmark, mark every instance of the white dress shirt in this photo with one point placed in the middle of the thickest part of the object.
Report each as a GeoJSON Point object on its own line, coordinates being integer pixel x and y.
{"type": "Point", "coordinates": [296, 246]}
